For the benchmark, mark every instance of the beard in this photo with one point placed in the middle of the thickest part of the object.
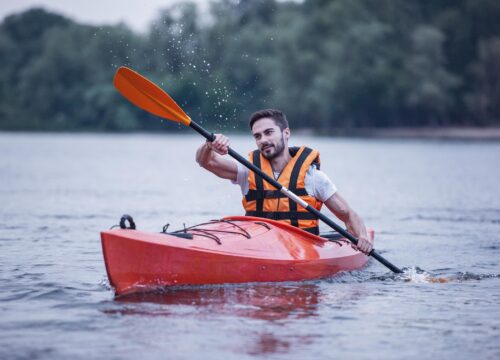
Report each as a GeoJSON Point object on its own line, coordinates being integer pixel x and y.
{"type": "Point", "coordinates": [275, 149]}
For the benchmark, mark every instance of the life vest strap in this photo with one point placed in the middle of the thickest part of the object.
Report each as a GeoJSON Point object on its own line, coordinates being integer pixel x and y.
{"type": "Point", "coordinates": [271, 194]}
{"type": "Point", "coordinates": [313, 230]}
{"type": "Point", "coordinates": [259, 183]}
{"type": "Point", "coordinates": [282, 215]}
{"type": "Point", "coordinates": [293, 180]}
{"type": "Point", "coordinates": [293, 150]}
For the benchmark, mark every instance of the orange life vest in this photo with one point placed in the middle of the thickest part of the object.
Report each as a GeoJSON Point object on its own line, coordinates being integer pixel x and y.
{"type": "Point", "coordinates": [263, 200]}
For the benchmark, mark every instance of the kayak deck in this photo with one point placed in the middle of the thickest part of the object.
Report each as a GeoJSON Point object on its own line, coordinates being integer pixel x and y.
{"type": "Point", "coordinates": [231, 250]}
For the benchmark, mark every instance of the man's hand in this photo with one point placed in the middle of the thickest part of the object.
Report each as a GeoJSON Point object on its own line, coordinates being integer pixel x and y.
{"type": "Point", "coordinates": [365, 245]}
{"type": "Point", "coordinates": [209, 157]}
{"type": "Point", "coordinates": [220, 145]}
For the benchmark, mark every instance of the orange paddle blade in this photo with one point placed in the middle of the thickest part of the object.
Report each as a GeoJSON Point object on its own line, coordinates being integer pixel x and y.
{"type": "Point", "coordinates": [148, 96]}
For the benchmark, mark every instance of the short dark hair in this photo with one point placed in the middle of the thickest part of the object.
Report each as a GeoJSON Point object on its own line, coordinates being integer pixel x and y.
{"type": "Point", "coordinates": [278, 117]}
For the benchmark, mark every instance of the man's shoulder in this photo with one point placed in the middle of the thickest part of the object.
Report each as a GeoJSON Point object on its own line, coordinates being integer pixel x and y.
{"type": "Point", "coordinates": [314, 169]}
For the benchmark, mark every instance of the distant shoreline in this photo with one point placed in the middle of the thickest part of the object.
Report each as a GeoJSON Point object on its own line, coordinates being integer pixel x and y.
{"type": "Point", "coordinates": [437, 133]}
{"type": "Point", "coordinates": [457, 133]}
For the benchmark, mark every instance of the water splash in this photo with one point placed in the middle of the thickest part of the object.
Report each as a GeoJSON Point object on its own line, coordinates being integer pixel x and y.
{"type": "Point", "coordinates": [414, 274]}
{"type": "Point", "coordinates": [417, 275]}
{"type": "Point", "coordinates": [104, 282]}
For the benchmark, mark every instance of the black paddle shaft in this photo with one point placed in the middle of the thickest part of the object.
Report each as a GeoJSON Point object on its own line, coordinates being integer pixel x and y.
{"type": "Point", "coordinates": [211, 137]}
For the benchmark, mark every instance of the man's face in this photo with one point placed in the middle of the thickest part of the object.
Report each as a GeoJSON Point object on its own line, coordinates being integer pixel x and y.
{"type": "Point", "coordinates": [270, 140]}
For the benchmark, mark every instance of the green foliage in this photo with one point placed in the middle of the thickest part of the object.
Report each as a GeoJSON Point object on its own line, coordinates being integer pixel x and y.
{"type": "Point", "coordinates": [327, 64]}
{"type": "Point", "coordinates": [484, 98]}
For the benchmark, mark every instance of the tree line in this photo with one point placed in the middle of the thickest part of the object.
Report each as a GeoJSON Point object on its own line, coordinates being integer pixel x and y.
{"type": "Point", "coordinates": [328, 64]}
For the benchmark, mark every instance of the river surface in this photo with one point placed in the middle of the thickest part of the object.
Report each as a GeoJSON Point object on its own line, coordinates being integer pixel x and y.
{"type": "Point", "coordinates": [435, 205]}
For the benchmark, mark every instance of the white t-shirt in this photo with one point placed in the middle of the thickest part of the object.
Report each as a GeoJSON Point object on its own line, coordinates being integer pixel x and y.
{"type": "Point", "coordinates": [316, 182]}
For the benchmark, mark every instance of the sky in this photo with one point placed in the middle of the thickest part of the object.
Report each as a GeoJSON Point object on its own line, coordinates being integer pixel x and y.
{"type": "Point", "coordinates": [136, 13]}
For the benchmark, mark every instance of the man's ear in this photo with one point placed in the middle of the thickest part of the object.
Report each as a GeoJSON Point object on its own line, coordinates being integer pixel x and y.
{"type": "Point", "coordinates": [286, 133]}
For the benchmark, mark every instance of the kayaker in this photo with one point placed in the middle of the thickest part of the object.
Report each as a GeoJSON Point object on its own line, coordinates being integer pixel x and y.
{"type": "Point", "coordinates": [295, 168]}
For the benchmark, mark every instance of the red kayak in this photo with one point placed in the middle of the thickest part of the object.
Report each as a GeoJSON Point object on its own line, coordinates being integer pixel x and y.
{"type": "Point", "coordinates": [235, 249]}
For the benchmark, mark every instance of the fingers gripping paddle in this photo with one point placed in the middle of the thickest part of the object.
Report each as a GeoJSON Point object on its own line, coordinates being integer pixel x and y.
{"type": "Point", "coordinates": [148, 96]}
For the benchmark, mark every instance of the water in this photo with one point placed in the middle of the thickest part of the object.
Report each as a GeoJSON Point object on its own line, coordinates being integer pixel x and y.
{"type": "Point", "coordinates": [434, 205]}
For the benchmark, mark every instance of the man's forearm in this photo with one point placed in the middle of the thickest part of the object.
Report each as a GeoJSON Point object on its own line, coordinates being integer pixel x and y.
{"type": "Point", "coordinates": [346, 214]}
{"type": "Point", "coordinates": [355, 224]}
{"type": "Point", "coordinates": [204, 155]}
{"type": "Point", "coordinates": [352, 221]}
{"type": "Point", "coordinates": [210, 156]}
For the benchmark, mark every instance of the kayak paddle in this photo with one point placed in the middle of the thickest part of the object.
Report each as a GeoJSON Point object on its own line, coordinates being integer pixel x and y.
{"type": "Point", "coordinates": [151, 98]}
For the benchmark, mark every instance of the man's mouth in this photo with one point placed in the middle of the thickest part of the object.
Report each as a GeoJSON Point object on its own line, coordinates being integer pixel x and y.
{"type": "Point", "coordinates": [265, 147]}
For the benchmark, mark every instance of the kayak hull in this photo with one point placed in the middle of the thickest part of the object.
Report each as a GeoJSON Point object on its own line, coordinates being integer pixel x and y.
{"type": "Point", "coordinates": [246, 250]}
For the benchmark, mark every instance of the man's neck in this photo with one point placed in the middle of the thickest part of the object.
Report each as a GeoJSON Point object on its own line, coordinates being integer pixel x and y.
{"type": "Point", "coordinates": [280, 161]}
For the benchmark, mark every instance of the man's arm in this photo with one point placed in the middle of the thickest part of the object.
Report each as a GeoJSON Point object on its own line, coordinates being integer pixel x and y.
{"type": "Point", "coordinates": [337, 205]}
{"type": "Point", "coordinates": [210, 156]}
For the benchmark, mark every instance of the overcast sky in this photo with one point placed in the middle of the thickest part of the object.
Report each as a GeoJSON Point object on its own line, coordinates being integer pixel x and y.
{"type": "Point", "coordinates": [136, 13]}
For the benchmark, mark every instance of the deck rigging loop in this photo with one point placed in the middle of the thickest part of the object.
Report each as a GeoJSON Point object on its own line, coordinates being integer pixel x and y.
{"type": "Point", "coordinates": [123, 222]}
{"type": "Point", "coordinates": [211, 233]}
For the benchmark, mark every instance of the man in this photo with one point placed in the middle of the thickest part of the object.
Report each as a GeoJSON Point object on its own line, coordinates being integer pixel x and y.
{"type": "Point", "coordinates": [295, 168]}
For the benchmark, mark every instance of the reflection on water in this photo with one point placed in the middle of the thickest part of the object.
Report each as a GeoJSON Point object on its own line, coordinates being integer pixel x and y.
{"type": "Point", "coordinates": [267, 343]}
{"type": "Point", "coordinates": [259, 301]}
{"type": "Point", "coordinates": [272, 304]}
